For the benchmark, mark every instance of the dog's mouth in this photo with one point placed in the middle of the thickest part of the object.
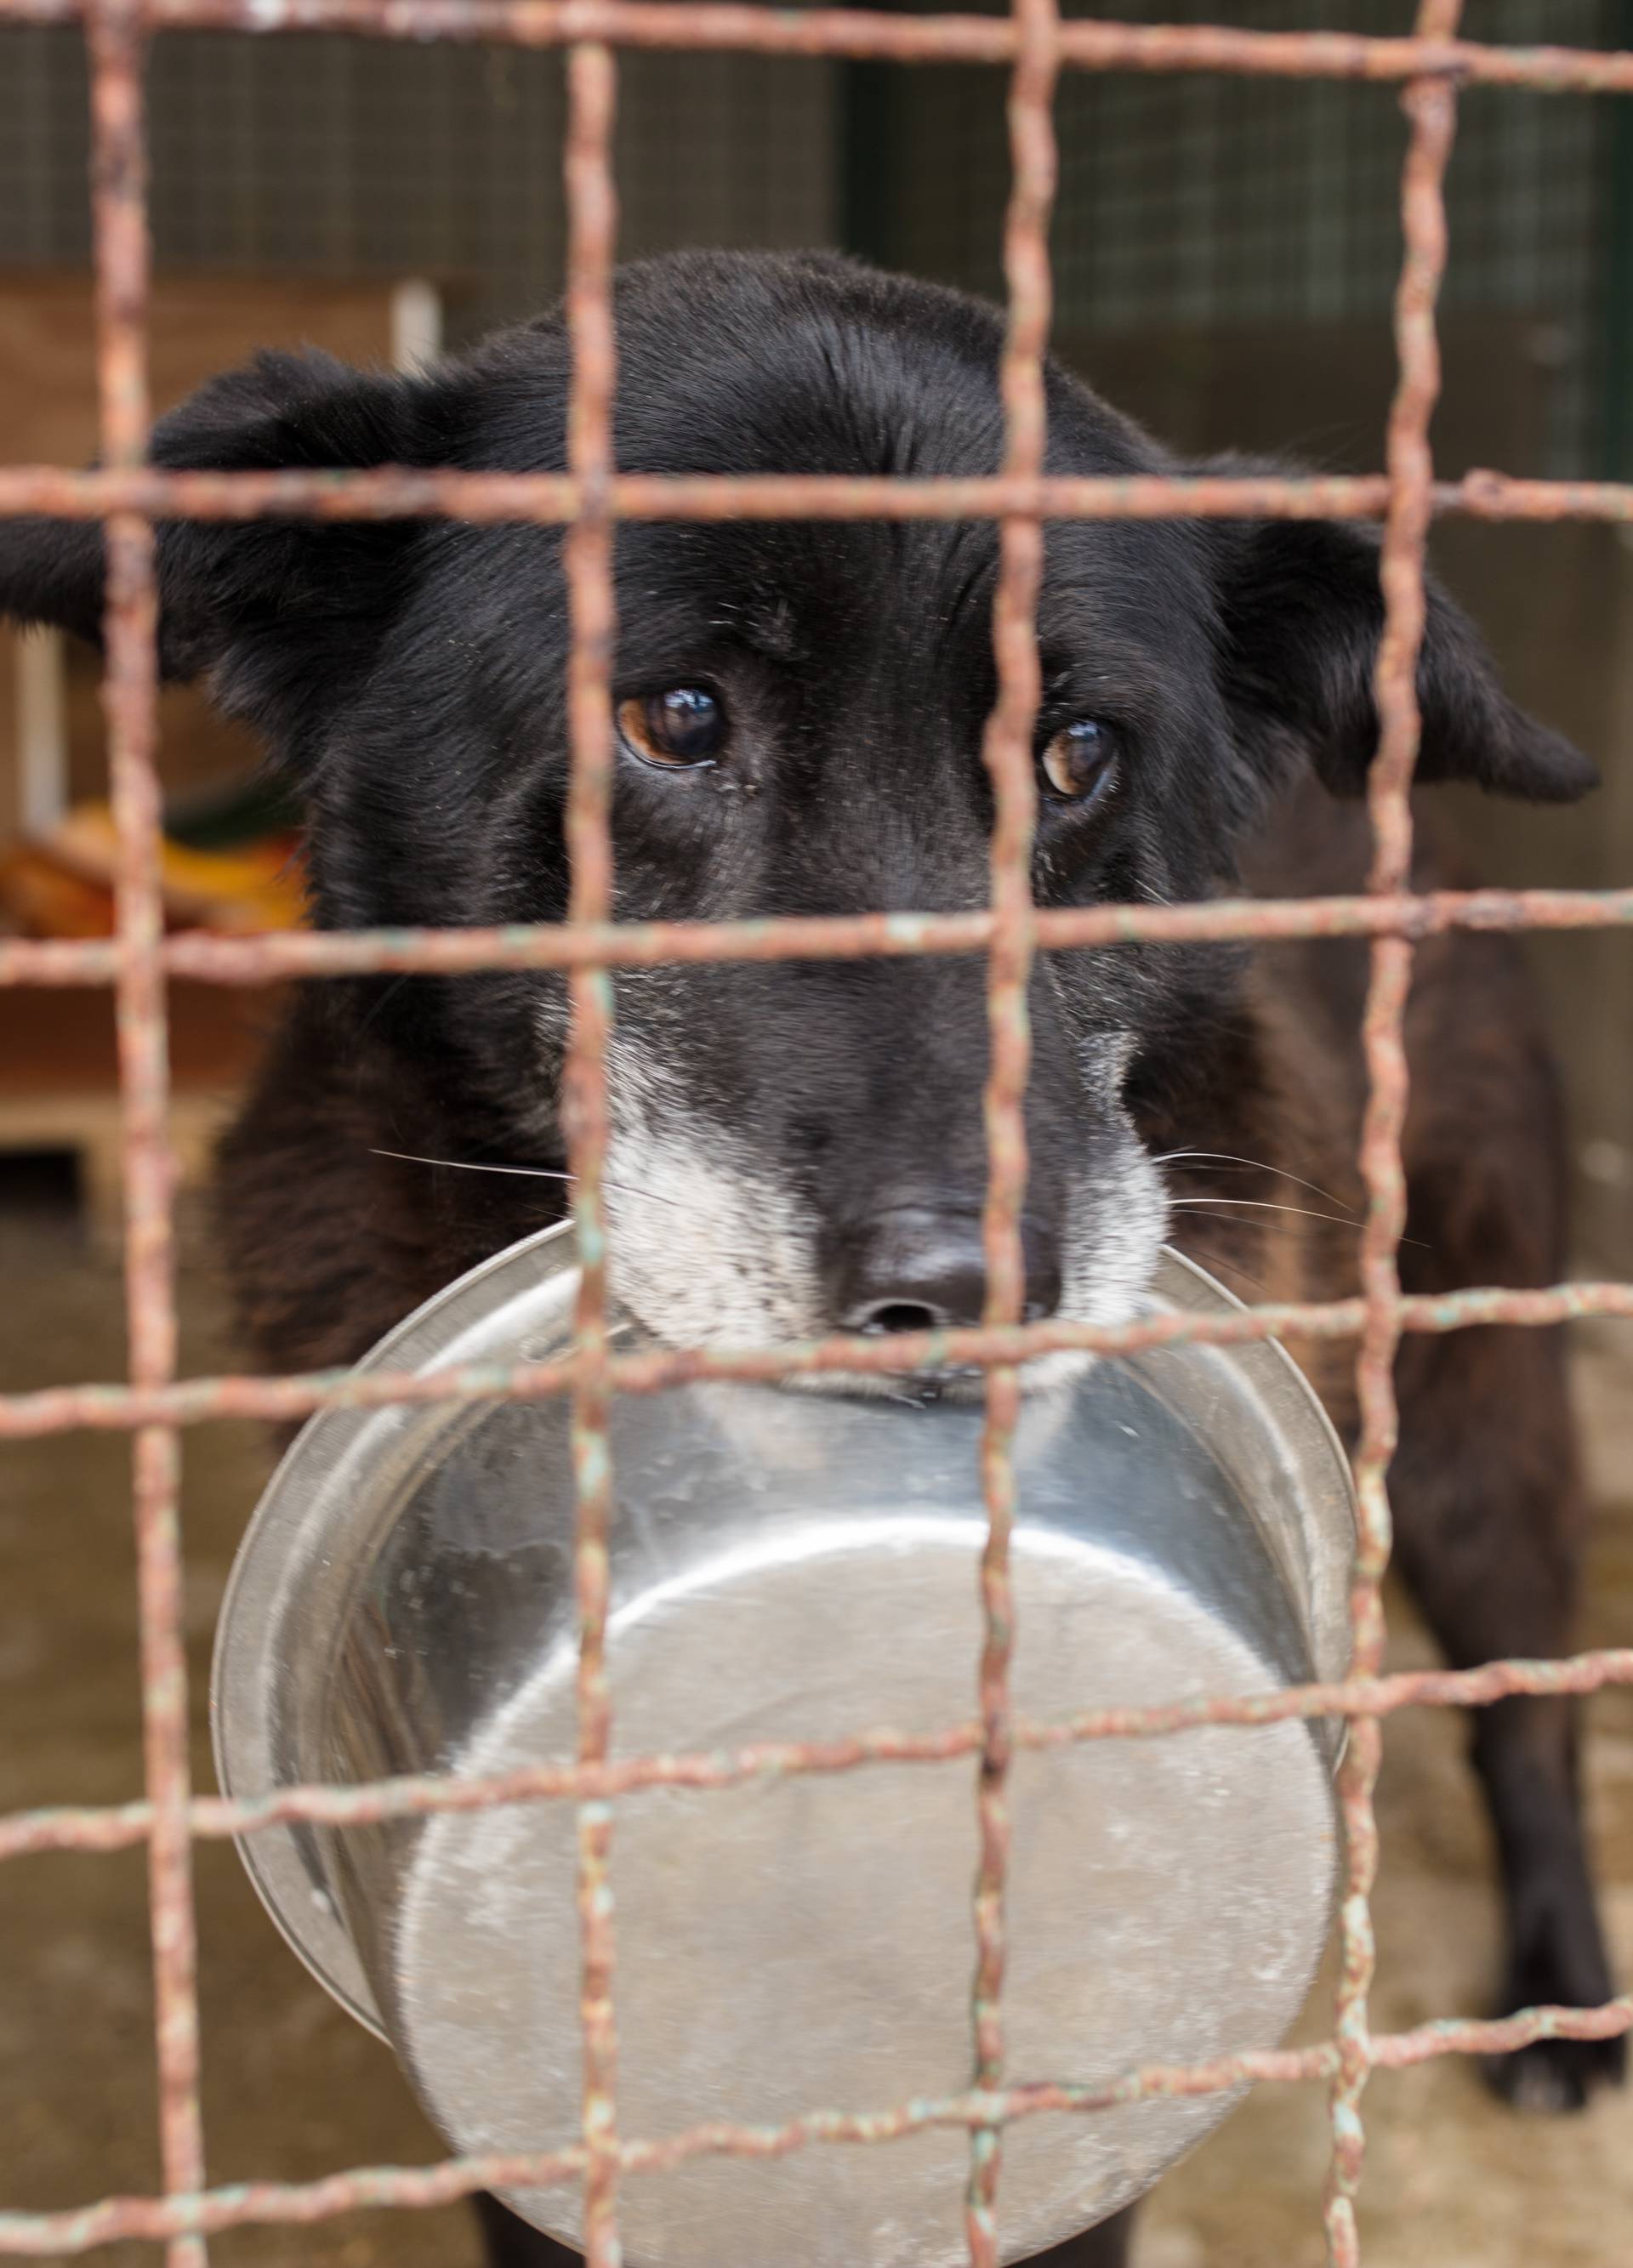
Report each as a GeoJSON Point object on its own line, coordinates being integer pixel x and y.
{"type": "Point", "coordinates": [919, 1389]}
{"type": "Point", "coordinates": [964, 1384]}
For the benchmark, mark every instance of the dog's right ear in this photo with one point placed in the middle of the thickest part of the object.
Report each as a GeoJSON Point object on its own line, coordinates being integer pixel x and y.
{"type": "Point", "coordinates": [1301, 615]}
{"type": "Point", "coordinates": [282, 614]}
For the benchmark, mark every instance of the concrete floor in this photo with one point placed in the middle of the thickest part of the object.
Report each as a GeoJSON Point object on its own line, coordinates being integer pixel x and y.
{"type": "Point", "coordinates": [293, 2089]}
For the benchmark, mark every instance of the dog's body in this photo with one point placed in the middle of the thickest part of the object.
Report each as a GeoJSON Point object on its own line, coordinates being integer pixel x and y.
{"type": "Point", "coordinates": [801, 1148]}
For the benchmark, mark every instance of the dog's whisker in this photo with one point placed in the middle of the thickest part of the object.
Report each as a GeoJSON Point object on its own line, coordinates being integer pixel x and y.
{"type": "Point", "coordinates": [1304, 1213]}
{"type": "Point", "coordinates": [1258, 1164]}
{"type": "Point", "coordinates": [1258, 1204]}
{"type": "Point", "coordinates": [527, 1172]}
{"type": "Point", "coordinates": [1262, 1227]}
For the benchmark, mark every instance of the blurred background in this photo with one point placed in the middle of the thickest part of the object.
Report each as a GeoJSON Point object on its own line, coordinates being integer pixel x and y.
{"type": "Point", "coordinates": [1225, 251]}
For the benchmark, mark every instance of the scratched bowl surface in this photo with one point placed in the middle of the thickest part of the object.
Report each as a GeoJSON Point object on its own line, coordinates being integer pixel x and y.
{"type": "Point", "coordinates": [787, 1566]}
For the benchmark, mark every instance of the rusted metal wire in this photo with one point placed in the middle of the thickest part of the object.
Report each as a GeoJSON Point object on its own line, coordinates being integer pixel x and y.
{"type": "Point", "coordinates": [399, 492]}
{"type": "Point", "coordinates": [868, 33]}
{"type": "Point", "coordinates": [1431, 108]}
{"type": "Point", "coordinates": [1007, 753]}
{"type": "Point", "coordinates": [592, 223]}
{"type": "Point", "coordinates": [278, 1401]}
{"type": "Point", "coordinates": [265, 959]}
{"type": "Point", "coordinates": [116, 1827]}
{"type": "Point", "coordinates": [396, 493]}
{"type": "Point", "coordinates": [130, 700]}
{"type": "Point", "coordinates": [587, 500]}
{"type": "Point", "coordinates": [420, 2187]}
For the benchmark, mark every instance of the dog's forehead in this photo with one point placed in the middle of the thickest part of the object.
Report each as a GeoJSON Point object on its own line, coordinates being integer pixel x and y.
{"type": "Point", "coordinates": [819, 367]}
{"type": "Point", "coordinates": [841, 393]}
{"type": "Point", "coordinates": [844, 598]}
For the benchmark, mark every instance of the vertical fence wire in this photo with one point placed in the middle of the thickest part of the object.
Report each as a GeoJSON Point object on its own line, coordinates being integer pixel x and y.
{"type": "Point", "coordinates": [592, 224]}
{"type": "Point", "coordinates": [117, 45]}
{"type": "Point", "coordinates": [1430, 107]}
{"type": "Point", "coordinates": [1007, 753]}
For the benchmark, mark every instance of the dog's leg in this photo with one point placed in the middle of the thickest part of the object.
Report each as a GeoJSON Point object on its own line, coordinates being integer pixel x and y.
{"type": "Point", "coordinates": [1488, 1514]}
{"type": "Point", "coordinates": [511, 2244]}
{"type": "Point", "coordinates": [508, 2242]}
{"type": "Point", "coordinates": [1105, 2247]}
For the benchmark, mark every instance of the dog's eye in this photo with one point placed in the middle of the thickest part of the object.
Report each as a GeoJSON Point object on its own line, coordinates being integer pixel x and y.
{"type": "Point", "coordinates": [1078, 761]}
{"type": "Point", "coordinates": [683, 724]}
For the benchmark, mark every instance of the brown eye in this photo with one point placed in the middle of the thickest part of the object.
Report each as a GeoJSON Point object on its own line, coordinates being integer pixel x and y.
{"type": "Point", "coordinates": [1078, 762]}
{"type": "Point", "coordinates": [681, 725]}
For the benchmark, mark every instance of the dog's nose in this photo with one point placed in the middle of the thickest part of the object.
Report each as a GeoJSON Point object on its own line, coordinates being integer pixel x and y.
{"type": "Point", "coordinates": [917, 1269]}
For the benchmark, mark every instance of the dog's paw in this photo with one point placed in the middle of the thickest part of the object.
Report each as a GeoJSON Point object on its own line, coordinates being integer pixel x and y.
{"type": "Point", "coordinates": [1553, 2076]}
{"type": "Point", "coordinates": [1556, 1960]}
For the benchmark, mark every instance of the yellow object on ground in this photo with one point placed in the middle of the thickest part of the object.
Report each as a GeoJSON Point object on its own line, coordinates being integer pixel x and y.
{"type": "Point", "coordinates": [53, 885]}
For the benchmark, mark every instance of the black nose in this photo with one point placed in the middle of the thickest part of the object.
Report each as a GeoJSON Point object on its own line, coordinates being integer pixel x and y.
{"type": "Point", "coordinates": [914, 1268]}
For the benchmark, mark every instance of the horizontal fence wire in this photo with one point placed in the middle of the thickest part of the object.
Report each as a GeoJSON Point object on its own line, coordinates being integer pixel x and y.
{"type": "Point", "coordinates": [196, 1401]}
{"type": "Point", "coordinates": [264, 959]}
{"type": "Point", "coordinates": [404, 492]}
{"type": "Point", "coordinates": [416, 2186]}
{"type": "Point", "coordinates": [875, 34]}
{"type": "Point", "coordinates": [117, 1827]}
{"type": "Point", "coordinates": [1430, 65]}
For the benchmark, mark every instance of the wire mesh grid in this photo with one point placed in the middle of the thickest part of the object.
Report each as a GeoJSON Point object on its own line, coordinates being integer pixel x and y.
{"type": "Point", "coordinates": [327, 156]}
{"type": "Point", "coordinates": [1035, 45]}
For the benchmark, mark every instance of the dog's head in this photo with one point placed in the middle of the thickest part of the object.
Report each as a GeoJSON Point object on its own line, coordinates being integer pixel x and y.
{"type": "Point", "coordinates": [800, 712]}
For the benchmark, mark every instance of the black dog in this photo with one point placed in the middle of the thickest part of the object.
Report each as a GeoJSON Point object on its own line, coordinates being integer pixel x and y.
{"type": "Point", "coordinates": [800, 710]}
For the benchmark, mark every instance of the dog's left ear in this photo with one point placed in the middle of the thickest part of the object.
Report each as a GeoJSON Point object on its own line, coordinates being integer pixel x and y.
{"type": "Point", "coordinates": [1302, 613]}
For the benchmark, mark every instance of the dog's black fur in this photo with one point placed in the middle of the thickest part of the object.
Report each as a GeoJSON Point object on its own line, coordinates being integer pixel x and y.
{"type": "Point", "coordinates": [409, 680]}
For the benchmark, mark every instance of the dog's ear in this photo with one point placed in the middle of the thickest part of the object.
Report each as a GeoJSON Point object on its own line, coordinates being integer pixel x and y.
{"type": "Point", "coordinates": [1301, 613]}
{"type": "Point", "coordinates": [281, 613]}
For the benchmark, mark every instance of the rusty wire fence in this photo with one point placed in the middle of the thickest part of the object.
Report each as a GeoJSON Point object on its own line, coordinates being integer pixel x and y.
{"type": "Point", "coordinates": [1035, 45]}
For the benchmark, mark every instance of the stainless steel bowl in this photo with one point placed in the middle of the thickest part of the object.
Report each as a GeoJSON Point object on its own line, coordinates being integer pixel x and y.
{"type": "Point", "coordinates": [787, 1565]}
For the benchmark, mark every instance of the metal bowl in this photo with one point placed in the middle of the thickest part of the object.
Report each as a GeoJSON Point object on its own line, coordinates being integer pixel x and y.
{"type": "Point", "coordinates": [788, 1565]}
